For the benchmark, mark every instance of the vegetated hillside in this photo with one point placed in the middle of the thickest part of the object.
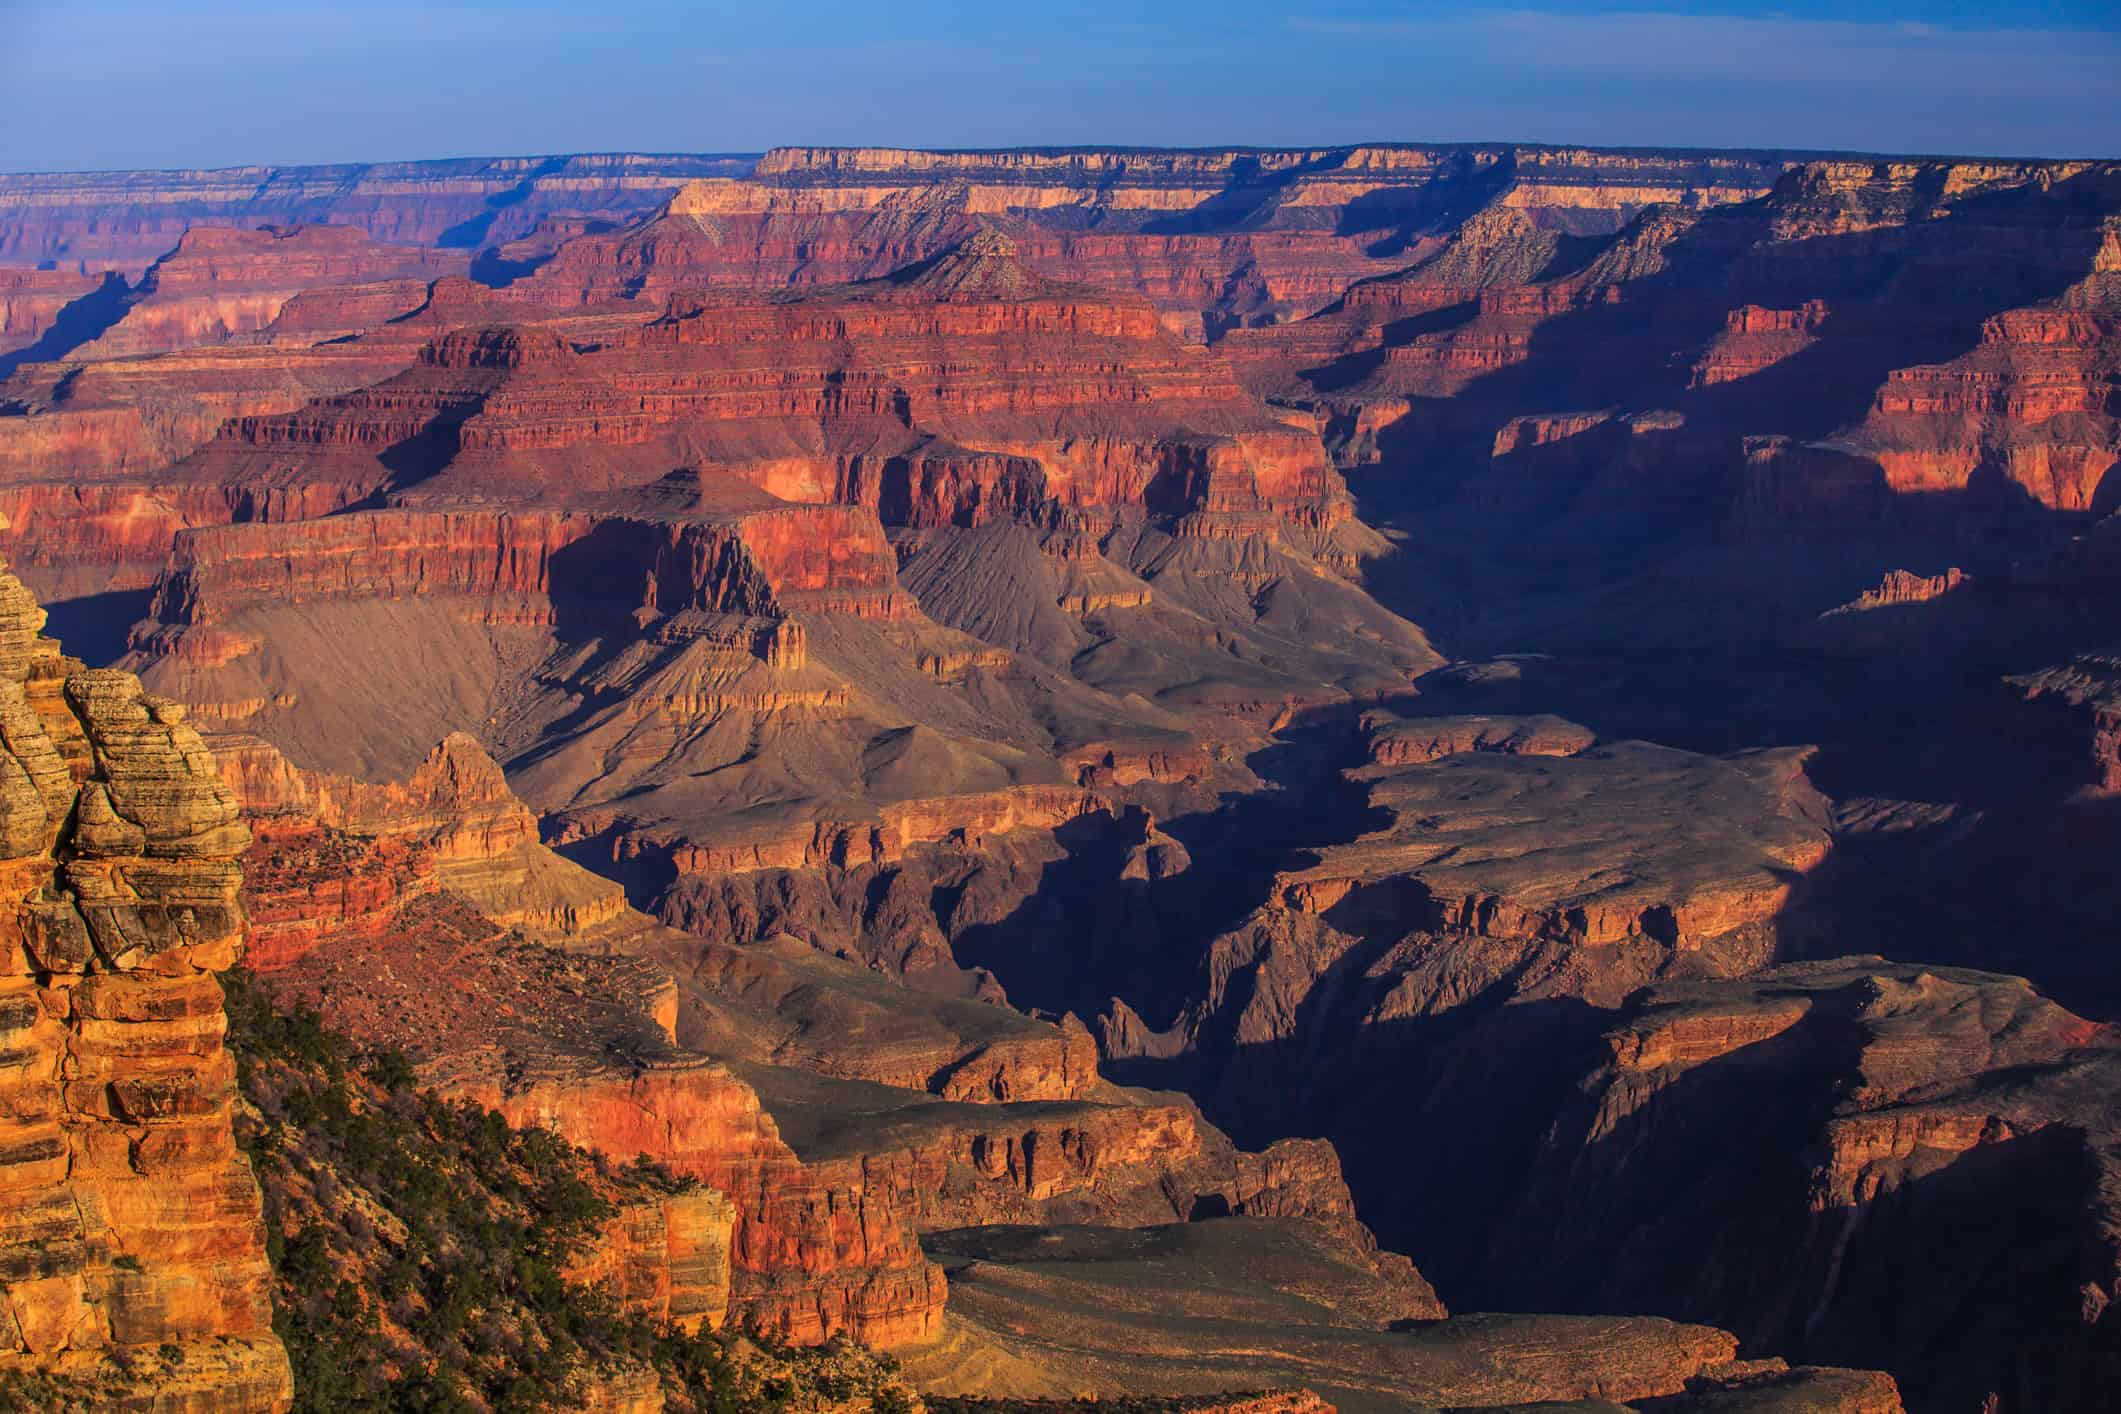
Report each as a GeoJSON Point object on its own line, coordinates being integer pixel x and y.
{"type": "Point", "coordinates": [426, 1253]}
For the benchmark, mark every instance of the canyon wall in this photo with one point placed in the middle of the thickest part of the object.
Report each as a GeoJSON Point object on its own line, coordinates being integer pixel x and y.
{"type": "Point", "coordinates": [1921, 1095]}
{"type": "Point", "coordinates": [95, 221]}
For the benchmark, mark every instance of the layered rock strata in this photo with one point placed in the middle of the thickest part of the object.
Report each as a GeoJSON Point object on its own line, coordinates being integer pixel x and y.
{"type": "Point", "coordinates": [1889, 1104]}
{"type": "Point", "coordinates": [124, 220]}
{"type": "Point", "coordinates": [1211, 1305]}
{"type": "Point", "coordinates": [217, 284]}
{"type": "Point", "coordinates": [87, 446]}
{"type": "Point", "coordinates": [568, 1011]}
{"type": "Point", "coordinates": [132, 1240]}
{"type": "Point", "coordinates": [1959, 393]}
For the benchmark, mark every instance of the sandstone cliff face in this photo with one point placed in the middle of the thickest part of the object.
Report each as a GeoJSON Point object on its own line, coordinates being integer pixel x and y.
{"type": "Point", "coordinates": [809, 1256]}
{"type": "Point", "coordinates": [1116, 548]}
{"type": "Point", "coordinates": [132, 1223]}
{"type": "Point", "coordinates": [87, 446]}
{"type": "Point", "coordinates": [1084, 404]}
{"type": "Point", "coordinates": [1297, 185]}
{"type": "Point", "coordinates": [31, 301]}
{"type": "Point", "coordinates": [333, 858]}
{"type": "Point", "coordinates": [364, 891]}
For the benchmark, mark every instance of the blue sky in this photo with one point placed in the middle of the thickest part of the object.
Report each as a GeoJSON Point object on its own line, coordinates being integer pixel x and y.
{"type": "Point", "coordinates": [124, 83]}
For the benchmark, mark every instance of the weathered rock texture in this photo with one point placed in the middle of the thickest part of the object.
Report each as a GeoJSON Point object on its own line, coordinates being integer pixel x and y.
{"type": "Point", "coordinates": [1119, 554]}
{"type": "Point", "coordinates": [132, 1225]}
{"type": "Point", "coordinates": [1895, 1119]}
{"type": "Point", "coordinates": [86, 444]}
{"type": "Point", "coordinates": [1443, 966]}
{"type": "Point", "coordinates": [1577, 847]}
{"type": "Point", "coordinates": [31, 301]}
{"type": "Point", "coordinates": [1214, 239]}
{"type": "Point", "coordinates": [865, 563]}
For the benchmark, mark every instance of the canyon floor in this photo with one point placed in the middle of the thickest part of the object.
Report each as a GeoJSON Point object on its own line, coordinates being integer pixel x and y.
{"type": "Point", "coordinates": [1397, 777]}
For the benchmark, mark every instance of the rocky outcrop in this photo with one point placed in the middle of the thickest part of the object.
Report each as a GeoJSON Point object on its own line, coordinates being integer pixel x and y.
{"type": "Point", "coordinates": [2078, 703]}
{"type": "Point", "coordinates": [810, 1254]}
{"type": "Point", "coordinates": [1182, 1311]}
{"type": "Point", "coordinates": [1499, 843]}
{"type": "Point", "coordinates": [133, 1224]}
{"type": "Point", "coordinates": [1446, 964]}
{"type": "Point", "coordinates": [333, 857]}
{"type": "Point", "coordinates": [1903, 587]}
{"type": "Point", "coordinates": [1411, 741]}
{"type": "Point", "coordinates": [1887, 1104]}
{"type": "Point", "coordinates": [567, 1011]}
{"type": "Point", "coordinates": [32, 301]}
{"type": "Point", "coordinates": [666, 1258]}
{"type": "Point", "coordinates": [87, 447]}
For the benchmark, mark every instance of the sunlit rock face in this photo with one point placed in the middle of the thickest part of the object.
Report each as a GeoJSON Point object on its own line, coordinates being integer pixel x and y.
{"type": "Point", "coordinates": [132, 1224]}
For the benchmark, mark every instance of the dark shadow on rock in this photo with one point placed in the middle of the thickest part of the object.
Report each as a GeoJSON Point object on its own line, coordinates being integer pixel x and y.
{"type": "Point", "coordinates": [1693, 1202]}
{"type": "Point", "coordinates": [1086, 934]}
{"type": "Point", "coordinates": [81, 321]}
{"type": "Point", "coordinates": [1923, 303]}
{"type": "Point", "coordinates": [470, 234]}
{"type": "Point", "coordinates": [93, 627]}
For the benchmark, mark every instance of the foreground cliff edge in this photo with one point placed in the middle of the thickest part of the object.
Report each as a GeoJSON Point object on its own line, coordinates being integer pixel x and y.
{"type": "Point", "coordinates": [131, 1244]}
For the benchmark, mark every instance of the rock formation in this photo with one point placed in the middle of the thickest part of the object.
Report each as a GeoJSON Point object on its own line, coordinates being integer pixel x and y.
{"type": "Point", "coordinates": [928, 590]}
{"type": "Point", "coordinates": [1197, 1308]}
{"type": "Point", "coordinates": [134, 1257]}
{"type": "Point", "coordinates": [217, 284]}
{"type": "Point", "coordinates": [1214, 240]}
{"type": "Point", "coordinates": [1729, 306]}
{"type": "Point", "coordinates": [569, 1011]}
{"type": "Point", "coordinates": [31, 303]}
{"type": "Point", "coordinates": [1886, 1105]}
{"type": "Point", "coordinates": [1087, 505]}
{"type": "Point", "coordinates": [86, 444]}
{"type": "Point", "coordinates": [1575, 846]}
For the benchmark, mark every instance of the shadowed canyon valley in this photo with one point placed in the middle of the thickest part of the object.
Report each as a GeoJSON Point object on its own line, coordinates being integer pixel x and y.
{"type": "Point", "coordinates": [1397, 777]}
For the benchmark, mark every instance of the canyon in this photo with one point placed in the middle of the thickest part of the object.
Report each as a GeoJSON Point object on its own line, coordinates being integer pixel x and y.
{"type": "Point", "coordinates": [1152, 772]}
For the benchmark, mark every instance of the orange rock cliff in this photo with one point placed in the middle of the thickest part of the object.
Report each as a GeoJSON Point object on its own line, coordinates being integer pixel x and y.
{"type": "Point", "coordinates": [132, 1222]}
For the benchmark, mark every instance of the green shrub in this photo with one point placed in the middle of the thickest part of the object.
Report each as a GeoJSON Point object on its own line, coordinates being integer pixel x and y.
{"type": "Point", "coordinates": [420, 1247]}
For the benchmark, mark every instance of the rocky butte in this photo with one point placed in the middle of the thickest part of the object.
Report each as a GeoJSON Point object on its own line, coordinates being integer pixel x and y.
{"type": "Point", "coordinates": [132, 1251]}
